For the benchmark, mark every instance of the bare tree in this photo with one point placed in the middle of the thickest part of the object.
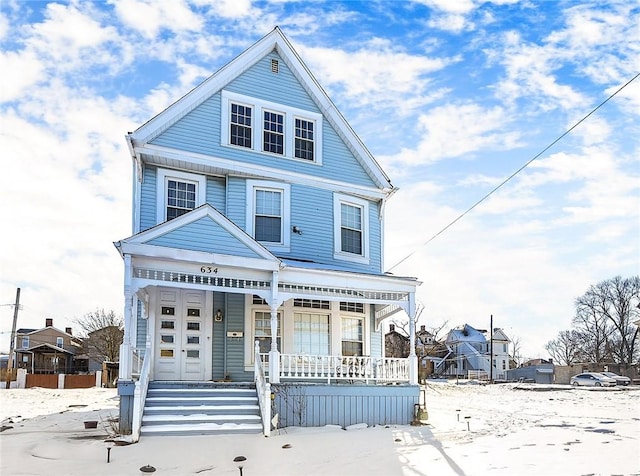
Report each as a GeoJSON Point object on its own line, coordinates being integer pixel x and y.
{"type": "Point", "coordinates": [605, 316]}
{"type": "Point", "coordinates": [516, 350]}
{"type": "Point", "coordinates": [566, 348]}
{"type": "Point", "coordinates": [102, 334]}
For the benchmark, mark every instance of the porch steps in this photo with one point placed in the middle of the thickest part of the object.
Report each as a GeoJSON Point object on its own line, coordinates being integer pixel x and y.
{"type": "Point", "coordinates": [200, 408]}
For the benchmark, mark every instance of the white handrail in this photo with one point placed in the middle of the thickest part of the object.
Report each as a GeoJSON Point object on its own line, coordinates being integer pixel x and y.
{"type": "Point", "coordinates": [335, 367]}
{"type": "Point", "coordinates": [140, 395]}
{"type": "Point", "coordinates": [263, 388]}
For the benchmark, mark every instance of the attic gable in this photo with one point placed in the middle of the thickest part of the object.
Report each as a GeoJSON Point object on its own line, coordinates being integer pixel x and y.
{"type": "Point", "coordinates": [222, 239]}
{"type": "Point", "coordinates": [276, 45]}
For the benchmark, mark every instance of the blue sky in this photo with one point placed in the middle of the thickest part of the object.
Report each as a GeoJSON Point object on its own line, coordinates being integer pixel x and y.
{"type": "Point", "coordinates": [451, 97]}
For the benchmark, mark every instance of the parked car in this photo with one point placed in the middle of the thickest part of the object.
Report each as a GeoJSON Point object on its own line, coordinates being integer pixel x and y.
{"type": "Point", "coordinates": [592, 379]}
{"type": "Point", "coordinates": [620, 379]}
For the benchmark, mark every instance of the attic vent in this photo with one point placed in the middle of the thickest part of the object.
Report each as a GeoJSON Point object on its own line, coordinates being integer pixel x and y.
{"type": "Point", "coordinates": [275, 66]}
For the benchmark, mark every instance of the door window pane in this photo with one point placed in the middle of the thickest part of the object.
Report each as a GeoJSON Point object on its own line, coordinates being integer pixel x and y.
{"type": "Point", "coordinates": [263, 331]}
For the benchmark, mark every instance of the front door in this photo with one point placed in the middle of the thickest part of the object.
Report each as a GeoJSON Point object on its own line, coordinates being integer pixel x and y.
{"type": "Point", "coordinates": [181, 335]}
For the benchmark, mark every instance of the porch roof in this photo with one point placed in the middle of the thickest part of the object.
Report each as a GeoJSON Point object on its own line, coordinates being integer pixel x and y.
{"type": "Point", "coordinates": [45, 347]}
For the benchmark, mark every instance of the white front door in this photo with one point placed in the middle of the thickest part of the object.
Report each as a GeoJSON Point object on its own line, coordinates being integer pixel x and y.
{"type": "Point", "coordinates": [182, 335]}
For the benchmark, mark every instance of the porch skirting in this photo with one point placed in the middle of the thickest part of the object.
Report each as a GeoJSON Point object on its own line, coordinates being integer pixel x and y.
{"type": "Point", "coordinates": [314, 404]}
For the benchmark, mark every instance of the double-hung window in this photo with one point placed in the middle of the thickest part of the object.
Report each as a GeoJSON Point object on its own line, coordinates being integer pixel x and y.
{"type": "Point", "coordinates": [352, 335]}
{"type": "Point", "coordinates": [304, 142]}
{"type": "Point", "coordinates": [241, 130]}
{"type": "Point", "coordinates": [178, 193]}
{"type": "Point", "coordinates": [311, 333]}
{"type": "Point", "coordinates": [270, 128]}
{"type": "Point", "coordinates": [268, 218]}
{"type": "Point", "coordinates": [273, 133]}
{"type": "Point", "coordinates": [25, 342]}
{"type": "Point", "coordinates": [351, 228]}
{"type": "Point", "coordinates": [60, 342]}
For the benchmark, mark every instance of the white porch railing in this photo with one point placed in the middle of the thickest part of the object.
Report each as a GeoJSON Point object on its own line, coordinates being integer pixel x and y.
{"type": "Point", "coordinates": [334, 368]}
{"type": "Point", "coordinates": [264, 391]}
{"type": "Point", "coordinates": [140, 394]}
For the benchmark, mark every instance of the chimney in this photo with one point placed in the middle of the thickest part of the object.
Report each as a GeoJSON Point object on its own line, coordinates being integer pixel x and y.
{"type": "Point", "coordinates": [48, 322]}
{"type": "Point", "coordinates": [422, 329]}
{"type": "Point", "coordinates": [68, 330]}
{"type": "Point", "coordinates": [392, 327]}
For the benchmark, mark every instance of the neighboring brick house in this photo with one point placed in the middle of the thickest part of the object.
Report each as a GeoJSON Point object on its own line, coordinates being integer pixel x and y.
{"type": "Point", "coordinates": [49, 350]}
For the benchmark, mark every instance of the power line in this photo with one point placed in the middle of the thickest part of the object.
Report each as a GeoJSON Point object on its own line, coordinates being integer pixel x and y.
{"type": "Point", "coordinates": [495, 189]}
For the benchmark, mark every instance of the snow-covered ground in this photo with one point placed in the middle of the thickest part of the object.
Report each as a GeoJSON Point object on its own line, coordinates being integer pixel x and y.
{"type": "Point", "coordinates": [506, 429]}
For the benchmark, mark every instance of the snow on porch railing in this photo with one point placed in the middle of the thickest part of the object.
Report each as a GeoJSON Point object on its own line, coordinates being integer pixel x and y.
{"type": "Point", "coordinates": [264, 391]}
{"type": "Point", "coordinates": [335, 367]}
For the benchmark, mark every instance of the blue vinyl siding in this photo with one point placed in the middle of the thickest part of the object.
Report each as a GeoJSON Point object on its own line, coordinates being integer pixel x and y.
{"type": "Point", "coordinates": [199, 130]}
{"type": "Point", "coordinates": [141, 327]}
{"type": "Point", "coordinates": [377, 337]}
{"type": "Point", "coordinates": [148, 198]}
{"type": "Point", "coordinates": [204, 235]}
{"type": "Point", "coordinates": [282, 88]}
{"type": "Point", "coordinates": [235, 346]}
{"type": "Point", "coordinates": [310, 405]}
{"type": "Point", "coordinates": [237, 204]}
{"type": "Point", "coordinates": [219, 337]}
{"type": "Point", "coordinates": [217, 193]}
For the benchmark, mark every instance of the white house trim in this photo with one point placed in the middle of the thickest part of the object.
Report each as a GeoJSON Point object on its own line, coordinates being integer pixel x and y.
{"type": "Point", "coordinates": [219, 165]}
{"type": "Point", "coordinates": [274, 40]}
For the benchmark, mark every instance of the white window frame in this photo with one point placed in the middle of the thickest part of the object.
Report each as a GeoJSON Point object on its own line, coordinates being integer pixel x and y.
{"type": "Point", "coordinates": [258, 107]}
{"type": "Point", "coordinates": [25, 342]}
{"type": "Point", "coordinates": [338, 200]}
{"type": "Point", "coordinates": [60, 342]}
{"type": "Point", "coordinates": [164, 175]}
{"type": "Point", "coordinates": [285, 189]}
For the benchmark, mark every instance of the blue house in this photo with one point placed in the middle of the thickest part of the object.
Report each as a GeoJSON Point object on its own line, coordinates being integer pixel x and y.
{"type": "Point", "coordinates": [256, 259]}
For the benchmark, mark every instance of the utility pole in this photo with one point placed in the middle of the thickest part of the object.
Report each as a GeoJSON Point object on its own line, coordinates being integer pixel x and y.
{"type": "Point", "coordinates": [13, 340]}
{"type": "Point", "coordinates": [491, 350]}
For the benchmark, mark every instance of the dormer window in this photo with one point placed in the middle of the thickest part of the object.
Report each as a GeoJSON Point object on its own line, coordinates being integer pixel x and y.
{"type": "Point", "coordinates": [284, 131]}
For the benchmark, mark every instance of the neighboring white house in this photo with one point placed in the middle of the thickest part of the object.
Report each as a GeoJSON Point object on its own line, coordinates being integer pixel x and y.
{"type": "Point", "coordinates": [471, 354]}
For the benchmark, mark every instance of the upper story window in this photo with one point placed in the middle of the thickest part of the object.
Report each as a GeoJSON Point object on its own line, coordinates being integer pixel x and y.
{"type": "Point", "coordinates": [351, 228]}
{"type": "Point", "coordinates": [241, 130]}
{"type": "Point", "coordinates": [268, 216]}
{"type": "Point", "coordinates": [273, 133]}
{"type": "Point", "coordinates": [285, 131]}
{"type": "Point", "coordinates": [304, 139]}
{"type": "Point", "coordinates": [178, 193]}
{"type": "Point", "coordinates": [60, 342]}
{"type": "Point", "coordinates": [268, 213]}
{"type": "Point", "coordinates": [25, 342]}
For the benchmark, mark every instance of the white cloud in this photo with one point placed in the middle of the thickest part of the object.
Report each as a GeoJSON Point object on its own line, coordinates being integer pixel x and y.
{"type": "Point", "coordinates": [374, 73]}
{"type": "Point", "coordinates": [149, 17]}
{"type": "Point", "coordinates": [229, 9]}
{"type": "Point", "coordinates": [20, 72]}
{"type": "Point", "coordinates": [456, 130]}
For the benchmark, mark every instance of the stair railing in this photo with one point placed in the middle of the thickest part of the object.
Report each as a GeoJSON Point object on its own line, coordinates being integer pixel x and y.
{"type": "Point", "coordinates": [140, 394]}
{"type": "Point", "coordinates": [263, 388]}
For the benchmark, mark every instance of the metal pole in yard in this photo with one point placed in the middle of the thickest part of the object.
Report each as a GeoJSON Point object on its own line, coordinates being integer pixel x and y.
{"type": "Point", "coordinates": [491, 350]}
{"type": "Point", "coordinates": [13, 340]}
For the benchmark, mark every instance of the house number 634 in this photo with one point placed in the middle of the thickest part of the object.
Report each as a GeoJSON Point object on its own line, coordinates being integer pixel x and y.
{"type": "Point", "coordinates": [208, 269]}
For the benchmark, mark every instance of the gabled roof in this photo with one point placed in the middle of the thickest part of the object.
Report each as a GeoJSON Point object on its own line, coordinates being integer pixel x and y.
{"type": "Point", "coordinates": [226, 243]}
{"type": "Point", "coordinates": [498, 334]}
{"type": "Point", "coordinates": [25, 332]}
{"type": "Point", "coordinates": [466, 333]}
{"type": "Point", "coordinates": [45, 346]}
{"type": "Point", "coordinates": [275, 40]}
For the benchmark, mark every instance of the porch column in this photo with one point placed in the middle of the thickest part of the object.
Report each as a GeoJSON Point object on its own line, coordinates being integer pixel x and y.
{"type": "Point", "coordinates": [413, 359]}
{"type": "Point", "coordinates": [126, 385]}
{"type": "Point", "coordinates": [125, 366]}
{"type": "Point", "coordinates": [274, 353]}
